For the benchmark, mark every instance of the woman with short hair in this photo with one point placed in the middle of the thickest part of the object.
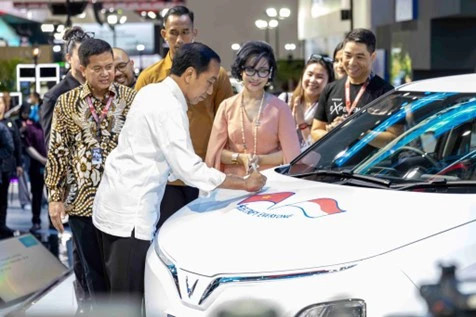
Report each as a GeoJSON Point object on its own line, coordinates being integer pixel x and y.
{"type": "Point", "coordinates": [253, 128]}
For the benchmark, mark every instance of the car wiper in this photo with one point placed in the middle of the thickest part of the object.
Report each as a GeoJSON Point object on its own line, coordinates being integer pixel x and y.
{"type": "Point", "coordinates": [435, 183]}
{"type": "Point", "coordinates": [349, 175]}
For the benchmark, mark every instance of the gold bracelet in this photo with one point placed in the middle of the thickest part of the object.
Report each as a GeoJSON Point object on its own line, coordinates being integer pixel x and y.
{"type": "Point", "coordinates": [234, 158]}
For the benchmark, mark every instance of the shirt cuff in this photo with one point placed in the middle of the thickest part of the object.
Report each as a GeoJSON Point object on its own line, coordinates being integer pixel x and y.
{"type": "Point", "coordinates": [216, 179]}
{"type": "Point", "coordinates": [54, 195]}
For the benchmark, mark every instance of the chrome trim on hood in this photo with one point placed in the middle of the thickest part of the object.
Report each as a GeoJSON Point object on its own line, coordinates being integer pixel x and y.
{"type": "Point", "coordinates": [259, 278]}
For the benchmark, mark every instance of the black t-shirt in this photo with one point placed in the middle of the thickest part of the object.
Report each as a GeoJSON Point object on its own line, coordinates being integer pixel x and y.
{"type": "Point", "coordinates": [332, 100]}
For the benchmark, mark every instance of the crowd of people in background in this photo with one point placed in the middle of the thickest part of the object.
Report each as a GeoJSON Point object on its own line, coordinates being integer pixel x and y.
{"type": "Point", "coordinates": [101, 135]}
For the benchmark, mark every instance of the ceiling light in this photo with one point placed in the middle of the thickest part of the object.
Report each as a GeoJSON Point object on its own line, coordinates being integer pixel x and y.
{"type": "Point", "coordinates": [261, 24]}
{"type": "Point", "coordinates": [273, 23]}
{"type": "Point", "coordinates": [284, 13]}
{"type": "Point", "coordinates": [271, 12]}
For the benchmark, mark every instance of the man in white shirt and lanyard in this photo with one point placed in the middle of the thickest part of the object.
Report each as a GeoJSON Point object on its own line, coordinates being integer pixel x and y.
{"type": "Point", "coordinates": [154, 147]}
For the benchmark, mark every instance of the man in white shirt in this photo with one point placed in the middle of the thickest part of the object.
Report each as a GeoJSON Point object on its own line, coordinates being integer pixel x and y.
{"type": "Point", "coordinates": [155, 146]}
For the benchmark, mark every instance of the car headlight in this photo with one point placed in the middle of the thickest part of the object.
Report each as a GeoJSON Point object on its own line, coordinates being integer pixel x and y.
{"type": "Point", "coordinates": [168, 263]}
{"type": "Point", "coordinates": [342, 308]}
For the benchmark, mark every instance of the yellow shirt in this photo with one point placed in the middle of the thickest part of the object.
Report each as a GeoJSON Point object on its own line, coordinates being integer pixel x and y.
{"type": "Point", "coordinates": [201, 115]}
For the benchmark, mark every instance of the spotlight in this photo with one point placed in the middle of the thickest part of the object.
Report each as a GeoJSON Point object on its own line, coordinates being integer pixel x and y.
{"type": "Point", "coordinates": [284, 13]}
{"type": "Point", "coordinates": [273, 23]}
{"type": "Point", "coordinates": [112, 19]}
{"type": "Point", "coordinates": [46, 27]}
{"type": "Point", "coordinates": [261, 24]}
{"type": "Point", "coordinates": [272, 12]}
{"type": "Point", "coordinates": [290, 46]}
{"type": "Point", "coordinates": [164, 12]}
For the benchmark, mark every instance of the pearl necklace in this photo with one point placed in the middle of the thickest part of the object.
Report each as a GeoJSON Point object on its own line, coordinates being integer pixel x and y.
{"type": "Point", "coordinates": [257, 123]}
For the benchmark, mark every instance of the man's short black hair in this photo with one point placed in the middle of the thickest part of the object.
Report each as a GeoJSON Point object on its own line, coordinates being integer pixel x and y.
{"type": "Point", "coordinates": [178, 11]}
{"type": "Point", "coordinates": [364, 36]}
{"type": "Point", "coordinates": [257, 49]}
{"type": "Point", "coordinates": [92, 47]}
{"type": "Point", "coordinates": [196, 55]}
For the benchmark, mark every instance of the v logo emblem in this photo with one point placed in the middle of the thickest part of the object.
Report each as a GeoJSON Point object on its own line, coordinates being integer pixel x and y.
{"type": "Point", "coordinates": [190, 290]}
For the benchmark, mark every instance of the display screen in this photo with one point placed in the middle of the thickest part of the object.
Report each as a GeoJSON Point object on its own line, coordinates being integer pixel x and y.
{"type": "Point", "coordinates": [27, 72]}
{"type": "Point", "coordinates": [48, 72]}
{"type": "Point", "coordinates": [26, 267]}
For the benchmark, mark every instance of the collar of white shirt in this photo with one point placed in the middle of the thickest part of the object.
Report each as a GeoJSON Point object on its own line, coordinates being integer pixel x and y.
{"type": "Point", "coordinates": [176, 91]}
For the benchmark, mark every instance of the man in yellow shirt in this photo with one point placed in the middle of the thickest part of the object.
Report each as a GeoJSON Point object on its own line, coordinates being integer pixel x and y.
{"type": "Point", "coordinates": [178, 30]}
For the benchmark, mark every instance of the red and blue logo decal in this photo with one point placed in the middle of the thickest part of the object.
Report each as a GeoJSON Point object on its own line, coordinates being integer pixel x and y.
{"type": "Point", "coordinates": [270, 206]}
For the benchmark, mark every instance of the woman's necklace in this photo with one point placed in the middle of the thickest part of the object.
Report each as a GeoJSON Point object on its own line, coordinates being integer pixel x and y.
{"type": "Point", "coordinates": [257, 123]}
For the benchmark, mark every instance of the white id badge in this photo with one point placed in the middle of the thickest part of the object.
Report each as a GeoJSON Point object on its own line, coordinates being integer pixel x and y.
{"type": "Point", "coordinates": [97, 156]}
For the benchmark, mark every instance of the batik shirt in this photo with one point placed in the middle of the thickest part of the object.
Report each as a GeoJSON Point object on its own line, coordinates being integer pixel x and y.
{"type": "Point", "coordinates": [71, 176]}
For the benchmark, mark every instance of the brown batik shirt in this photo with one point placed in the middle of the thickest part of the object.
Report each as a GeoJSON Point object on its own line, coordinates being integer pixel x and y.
{"type": "Point", "coordinates": [71, 176]}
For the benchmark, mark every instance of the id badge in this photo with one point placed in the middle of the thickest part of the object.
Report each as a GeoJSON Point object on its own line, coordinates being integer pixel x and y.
{"type": "Point", "coordinates": [97, 156]}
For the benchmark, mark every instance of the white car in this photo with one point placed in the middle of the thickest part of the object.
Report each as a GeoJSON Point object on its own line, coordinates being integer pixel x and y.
{"type": "Point", "coordinates": [351, 227]}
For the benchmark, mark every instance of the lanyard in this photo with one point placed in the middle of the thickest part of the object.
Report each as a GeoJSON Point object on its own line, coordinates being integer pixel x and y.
{"type": "Point", "coordinates": [103, 113]}
{"type": "Point", "coordinates": [348, 106]}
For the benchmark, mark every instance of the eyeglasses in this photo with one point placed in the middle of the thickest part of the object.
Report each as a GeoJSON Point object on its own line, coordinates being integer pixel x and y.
{"type": "Point", "coordinates": [262, 72]}
{"type": "Point", "coordinates": [100, 70]}
{"type": "Point", "coordinates": [317, 57]}
{"type": "Point", "coordinates": [122, 66]}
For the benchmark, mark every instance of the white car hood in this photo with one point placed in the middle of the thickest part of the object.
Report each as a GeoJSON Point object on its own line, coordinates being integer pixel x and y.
{"type": "Point", "coordinates": [227, 234]}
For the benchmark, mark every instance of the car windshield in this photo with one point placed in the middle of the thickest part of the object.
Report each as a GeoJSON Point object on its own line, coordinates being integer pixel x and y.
{"type": "Point", "coordinates": [403, 138]}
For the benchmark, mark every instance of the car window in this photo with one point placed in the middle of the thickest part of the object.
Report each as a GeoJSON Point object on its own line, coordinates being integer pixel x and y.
{"type": "Point", "coordinates": [403, 137]}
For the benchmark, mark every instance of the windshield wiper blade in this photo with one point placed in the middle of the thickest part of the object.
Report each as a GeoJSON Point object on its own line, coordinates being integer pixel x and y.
{"type": "Point", "coordinates": [348, 174]}
{"type": "Point", "coordinates": [435, 183]}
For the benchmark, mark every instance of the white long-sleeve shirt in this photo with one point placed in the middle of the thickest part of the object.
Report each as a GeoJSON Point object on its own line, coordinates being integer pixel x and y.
{"type": "Point", "coordinates": [154, 146]}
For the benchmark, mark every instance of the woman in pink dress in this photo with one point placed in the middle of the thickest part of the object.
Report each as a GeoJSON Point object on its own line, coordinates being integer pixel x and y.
{"type": "Point", "coordinates": [253, 127]}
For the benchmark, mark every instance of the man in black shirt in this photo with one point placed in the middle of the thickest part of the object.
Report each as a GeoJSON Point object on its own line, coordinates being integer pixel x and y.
{"type": "Point", "coordinates": [343, 97]}
{"type": "Point", "coordinates": [73, 39]}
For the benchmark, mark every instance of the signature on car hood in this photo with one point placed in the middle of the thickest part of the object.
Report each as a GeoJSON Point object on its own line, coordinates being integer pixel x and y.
{"type": "Point", "coordinates": [296, 224]}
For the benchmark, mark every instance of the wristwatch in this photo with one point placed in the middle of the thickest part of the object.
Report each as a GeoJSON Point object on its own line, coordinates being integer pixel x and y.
{"type": "Point", "coordinates": [234, 158]}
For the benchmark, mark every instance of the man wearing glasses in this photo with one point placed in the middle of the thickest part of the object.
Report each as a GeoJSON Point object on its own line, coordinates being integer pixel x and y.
{"type": "Point", "coordinates": [86, 125]}
{"type": "Point", "coordinates": [73, 38]}
{"type": "Point", "coordinates": [178, 30]}
{"type": "Point", "coordinates": [124, 68]}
